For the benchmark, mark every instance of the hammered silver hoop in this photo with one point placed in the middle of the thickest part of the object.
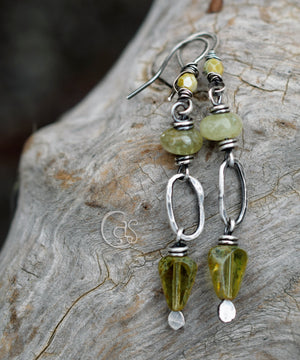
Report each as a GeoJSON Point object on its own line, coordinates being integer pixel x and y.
{"type": "Point", "coordinates": [197, 187]}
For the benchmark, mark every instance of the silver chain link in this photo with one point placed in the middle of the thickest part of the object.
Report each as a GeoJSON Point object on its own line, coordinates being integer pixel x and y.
{"type": "Point", "coordinates": [231, 162]}
{"type": "Point", "coordinates": [197, 187]}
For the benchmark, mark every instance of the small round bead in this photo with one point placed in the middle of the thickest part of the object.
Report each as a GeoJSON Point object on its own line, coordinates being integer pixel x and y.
{"type": "Point", "coordinates": [213, 65]}
{"type": "Point", "coordinates": [218, 127]}
{"type": "Point", "coordinates": [181, 142]}
{"type": "Point", "coordinates": [188, 81]}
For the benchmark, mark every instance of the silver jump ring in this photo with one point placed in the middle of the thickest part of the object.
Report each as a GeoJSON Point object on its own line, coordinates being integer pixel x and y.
{"type": "Point", "coordinates": [229, 228]}
{"type": "Point", "coordinates": [184, 169]}
{"type": "Point", "coordinates": [179, 234]}
{"type": "Point", "coordinates": [219, 90]}
{"type": "Point", "coordinates": [212, 97]}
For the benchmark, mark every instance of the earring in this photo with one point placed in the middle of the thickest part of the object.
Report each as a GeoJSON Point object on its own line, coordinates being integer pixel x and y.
{"type": "Point", "coordinates": [178, 271]}
{"type": "Point", "coordinates": [226, 261]}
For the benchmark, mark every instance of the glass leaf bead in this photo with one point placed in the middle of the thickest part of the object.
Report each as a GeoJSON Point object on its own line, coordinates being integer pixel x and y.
{"type": "Point", "coordinates": [177, 276]}
{"type": "Point", "coordinates": [227, 264]}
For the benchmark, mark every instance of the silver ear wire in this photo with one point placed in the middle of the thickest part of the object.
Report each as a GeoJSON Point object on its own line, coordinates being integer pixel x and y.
{"type": "Point", "coordinates": [177, 49]}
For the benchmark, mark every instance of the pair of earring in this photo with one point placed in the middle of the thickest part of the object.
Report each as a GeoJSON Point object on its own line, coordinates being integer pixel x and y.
{"type": "Point", "coordinates": [226, 261]}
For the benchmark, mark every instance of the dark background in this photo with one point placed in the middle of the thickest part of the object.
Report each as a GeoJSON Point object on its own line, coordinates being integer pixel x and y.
{"type": "Point", "coordinates": [52, 53]}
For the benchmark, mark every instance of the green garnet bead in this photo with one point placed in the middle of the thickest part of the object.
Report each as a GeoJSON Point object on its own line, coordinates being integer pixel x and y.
{"type": "Point", "coordinates": [227, 264]}
{"type": "Point", "coordinates": [218, 127]}
{"type": "Point", "coordinates": [181, 142]}
{"type": "Point", "coordinates": [177, 276]}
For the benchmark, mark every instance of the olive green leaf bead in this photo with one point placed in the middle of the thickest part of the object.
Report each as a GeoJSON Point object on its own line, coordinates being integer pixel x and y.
{"type": "Point", "coordinates": [181, 142]}
{"type": "Point", "coordinates": [227, 265]}
{"type": "Point", "coordinates": [177, 276]}
{"type": "Point", "coordinates": [218, 127]}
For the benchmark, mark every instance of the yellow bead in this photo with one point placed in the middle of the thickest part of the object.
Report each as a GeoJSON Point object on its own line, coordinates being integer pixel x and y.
{"type": "Point", "coordinates": [213, 65]}
{"type": "Point", "coordinates": [177, 277]}
{"type": "Point", "coordinates": [227, 265]}
{"type": "Point", "coordinates": [188, 81]}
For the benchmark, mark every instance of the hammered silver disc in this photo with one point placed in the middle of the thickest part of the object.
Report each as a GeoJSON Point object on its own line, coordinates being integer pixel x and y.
{"type": "Point", "coordinates": [176, 320]}
{"type": "Point", "coordinates": [227, 311]}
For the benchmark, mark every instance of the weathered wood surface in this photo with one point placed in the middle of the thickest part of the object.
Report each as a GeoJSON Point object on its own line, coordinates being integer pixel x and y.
{"type": "Point", "coordinates": [66, 293]}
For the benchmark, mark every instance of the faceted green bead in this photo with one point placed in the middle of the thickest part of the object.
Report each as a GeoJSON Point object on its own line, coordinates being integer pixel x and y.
{"type": "Point", "coordinates": [221, 126]}
{"type": "Point", "coordinates": [177, 276]}
{"type": "Point", "coordinates": [227, 265]}
{"type": "Point", "coordinates": [213, 65]}
{"type": "Point", "coordinates": [181, 142]}
{"type": "Point", "coordinates": [188, 81]}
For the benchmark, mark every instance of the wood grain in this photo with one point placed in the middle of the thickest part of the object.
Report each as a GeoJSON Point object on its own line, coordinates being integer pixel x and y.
{"type": "Point", "coordinates": [69, 292]}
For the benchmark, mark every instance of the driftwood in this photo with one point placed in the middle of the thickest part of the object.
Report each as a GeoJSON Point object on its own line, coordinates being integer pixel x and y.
{"type": "Point", "coordinates": [76, 287]}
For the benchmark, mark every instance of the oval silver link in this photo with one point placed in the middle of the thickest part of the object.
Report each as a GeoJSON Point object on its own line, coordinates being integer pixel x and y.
{"type": "Point", "coordinates": [200, 198]}
{"type": "Point", "coordinates": [237, 166]}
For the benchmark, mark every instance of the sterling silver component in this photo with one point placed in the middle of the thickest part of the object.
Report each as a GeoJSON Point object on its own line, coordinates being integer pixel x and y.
{"type": "Point", "coordinates": [216, 88]}
{"type": "Point", "coordinates": [184, 160]}
{"type": "Point", "coordinates": [182, 109]}
{"type": "Point", "coordinates": [184, 125]}
{"type": "Point", "coordinates": [219, 109]}
{"type": "Point", "coordinates": [178, 250]}
{"type": "Point", "coordinates": [184, 93]}
{"type": "Point", "coordinates": [229, 228]}
{"type": "Point", "coordinates": [192, 68]}
{"type": "Point", "coordinates": [215, 96]}
{"type": "Point", "coordinates": [226, 311]}
{"type": "Point", "coordinates": [228, 144]}
{"type": "Point", "coordinates": [228, 240]}
{"type": "Point", "coordinates": [176, 49]}
{"type": "Point", "coordinates": [200, 198]}
{"type": "Point", "coordinates": [215, 79]}
{"type": "Point", "coordinates": [215, 44]}
{"type": "Point", "coordinates": [176, 320]}
{"type": "Point", "coordinates": [212, 55]}
{"type": "Point", "coordinates": [187, 106]}
{"type": "Point", "coordinates": [236, 165]}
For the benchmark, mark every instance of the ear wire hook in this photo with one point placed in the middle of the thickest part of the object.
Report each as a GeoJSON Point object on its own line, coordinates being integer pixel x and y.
{"type": "Point", "coordinates": [201, 35]}
{"type": "Point", "coordinates": [194, 37]}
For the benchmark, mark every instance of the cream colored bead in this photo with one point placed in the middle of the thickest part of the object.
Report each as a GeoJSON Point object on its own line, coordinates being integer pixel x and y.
{"type": "Point", "coordinates": [188, 81]}
{"type": "Point", "coordinates": [213, 65]}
